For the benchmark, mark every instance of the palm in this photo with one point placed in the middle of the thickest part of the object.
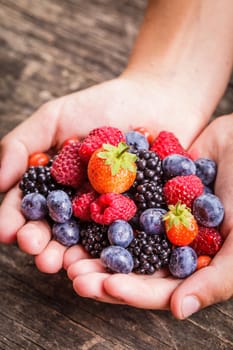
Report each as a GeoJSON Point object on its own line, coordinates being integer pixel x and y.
{"type": "Point", "coordinates": [121, 103]}
{"type": "Point", "coordinates": [161, 291]}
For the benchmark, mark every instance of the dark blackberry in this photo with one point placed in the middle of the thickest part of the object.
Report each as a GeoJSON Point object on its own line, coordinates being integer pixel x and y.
{"type": "Point", "coordinates": [149, 195]}
{"type": "Point", "coordinates": [38, 179]}
{"type": "Point", "coordinates": [94, 238]}
{"type": "Point", "coordinates": [150, 252]}
{"type": "Point", "coordinates": [149, 167]}
{"type": "Point", "coordinates": [148, 186]}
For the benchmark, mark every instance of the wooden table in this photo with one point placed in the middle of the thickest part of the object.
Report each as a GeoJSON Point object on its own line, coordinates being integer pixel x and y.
{"type": "Point", "coordinates": [50, 48]}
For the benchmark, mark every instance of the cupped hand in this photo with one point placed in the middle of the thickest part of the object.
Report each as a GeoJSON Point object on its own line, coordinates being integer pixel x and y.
{"type": "Point", "coordinates": [123, 103]}
{"type": "Point", "coordinates": [206, 286]}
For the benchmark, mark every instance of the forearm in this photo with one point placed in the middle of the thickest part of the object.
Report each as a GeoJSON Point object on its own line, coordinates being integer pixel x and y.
{"type": "Point", "coordinates": [187, 43]}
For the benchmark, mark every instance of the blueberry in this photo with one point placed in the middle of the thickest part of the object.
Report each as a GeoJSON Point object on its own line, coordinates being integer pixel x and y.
{"type": "Point", "coordinates": [178, 165]}
{"type": "Point", "coordinates": [208, 210]}
{"type": "Point", "coordinates": [136, 141]}
{"type": "Point", "coordinates": [117, 259]}
{"type": "Point", "coordinates": [120, 233]}
{"type": "Point", "coordinates": [66, 233]}
{"type": "Point", "coordinates": [151, 221]}
{"type": "Point", "coordinates": [59, 205]}
{"type": "Point", "coordinates": [206, 170]}
{"type": "Point", "coordinates": [34, 206]}
{"type": "Point", "coordinates": [183, 261]}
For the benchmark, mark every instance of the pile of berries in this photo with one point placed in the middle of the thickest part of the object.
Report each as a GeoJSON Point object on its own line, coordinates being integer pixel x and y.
{"type": "Point", "coordinates": [137, 203]}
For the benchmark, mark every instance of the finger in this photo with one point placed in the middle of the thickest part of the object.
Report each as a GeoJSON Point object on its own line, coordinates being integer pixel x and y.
{"type": "Point", "coordinates": [11, 218]}
{"type": "Point", "coordinates": [34, 237]}
{"type": "Point", "coordinates": [144, 292]}
{"type": "Point", "coordinates": [73, 254]}
{"type": "Point", "coordinates": [37, 133]}
{"type": "Point", "coordinates": [85, 266]}
{"type": "Point", "coordinates": [207, 286]}
{"type": "Point", "coordinates": [95, 289]}
{"type": "Point", "coordinates": [50, 260]}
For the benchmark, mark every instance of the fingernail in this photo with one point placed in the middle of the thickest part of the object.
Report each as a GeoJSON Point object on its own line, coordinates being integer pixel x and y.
{"type": "Point", "coordinates": [190, 305]}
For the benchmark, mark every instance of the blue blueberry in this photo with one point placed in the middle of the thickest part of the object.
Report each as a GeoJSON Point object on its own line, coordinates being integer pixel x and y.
{"type": "Point", "coordinates": [136, 141]}
{"type": "Point", "coordinates": [208, 210]}
{"type": "Point", "coordinates": [66, 233]}
{"type": "Point", "coordinates": [120, 233]}
{"type": "Point", "coordinates": [183, 261]}
{"type": "Point", "coordinates": [34, 206]}
{"type": "Point", "coordinates": [117, 259]}
{"type": "Point", "coordinates": [206, 170]}
{"type": "Point", "coordinates": [59, 205]}
{"type": "Point", "coordinates": [178, 165]}
{"type": "Point", "coordinates": [151, 221]}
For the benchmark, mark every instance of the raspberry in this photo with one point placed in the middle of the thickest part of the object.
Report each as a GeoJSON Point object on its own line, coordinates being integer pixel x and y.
{"type": "Point", "coordinates": [81, 205]}
{"type": "Point", "coordinates": [109, 207]}
{"type": "Point", "coordinates": [207, 242]}
{"type": "Point", "coordinates": [67, 167]}
{"type": "Point", "coordinates": [96, 138]}
{"type": "Point", "coordinates": [166, 143]}
{"type": "Point", "coordinates": [183, 188]}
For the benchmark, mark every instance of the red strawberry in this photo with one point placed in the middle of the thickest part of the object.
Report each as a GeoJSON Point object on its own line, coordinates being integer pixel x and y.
{"type": "Point", "coordinates": [97, 137]}
{"type": "Point", "coordinates": [109, 207]}
{"type": "Point", "coordinates": [207, 242]}
{"type": "Point", "coordinates": [203, 261]}
{"type": "Point", "coordinates": [67, 168]}
{"type": "Point", "coordinates": [81, 205]}
{"type": "Point", "coordinates": [183, 188]}
{"type": "Point", "coordinates": [166, 143]}
{"type": "Point", "coordinates": [181, 226]}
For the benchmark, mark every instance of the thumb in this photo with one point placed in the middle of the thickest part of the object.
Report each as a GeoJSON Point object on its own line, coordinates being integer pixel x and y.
{"type": "Point", "coordinates": [207, 286]}
{"type": "Point", "coordinates": [34, 134]}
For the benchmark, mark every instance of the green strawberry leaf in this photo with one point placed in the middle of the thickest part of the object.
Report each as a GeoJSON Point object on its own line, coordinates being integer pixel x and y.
{"type": "Point", "coordinates": [117, 157]}
{"type": "Point", "coordinates": [177, 215]}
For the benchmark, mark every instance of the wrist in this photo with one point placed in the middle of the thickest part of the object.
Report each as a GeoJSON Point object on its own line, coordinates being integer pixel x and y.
{"type": "Point", "coordinates": [185, 47]}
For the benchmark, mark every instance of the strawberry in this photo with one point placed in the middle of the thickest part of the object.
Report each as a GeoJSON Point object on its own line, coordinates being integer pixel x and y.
{"type": "Point", "coordinates": [37, 159]}
{"type": "Point", "coordinates": [72, 139]}
{"type": "Point", "coordinates": [166, 143]}
{"type": "Point", "coordinates": [109, 207]}
{"type": "Point", "coordinates": [203, 261]}
{"type": "Point", "coordinates": [97, 137]}
{"type": "Point", "coordinates": [112, 169]}
{"type": "Point", "coordinates": [183, 188]}
{"type": "Point", "coordinates": [207, 242]}
{"type": "Point", "coordinates": [67, 168]}
{"type": "Point", "coordinates": [180, 225]}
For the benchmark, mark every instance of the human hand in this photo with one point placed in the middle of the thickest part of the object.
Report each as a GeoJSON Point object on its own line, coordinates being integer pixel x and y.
{"type": "Point", "coordinates": [122, 102]}
{"type": "Point", "coordinates": [206, 286]}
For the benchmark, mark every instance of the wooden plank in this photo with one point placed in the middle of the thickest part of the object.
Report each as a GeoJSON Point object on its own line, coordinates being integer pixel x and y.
{"type": "Point", "coordinates": [50, 48]}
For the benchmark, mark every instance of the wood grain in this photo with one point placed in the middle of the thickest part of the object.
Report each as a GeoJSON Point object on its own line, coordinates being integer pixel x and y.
{"type": "Point", "coordinates": [50, 48]}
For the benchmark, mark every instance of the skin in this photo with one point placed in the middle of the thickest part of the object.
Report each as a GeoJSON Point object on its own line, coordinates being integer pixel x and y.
{"type": "Point", "coordinates": [171, 78]}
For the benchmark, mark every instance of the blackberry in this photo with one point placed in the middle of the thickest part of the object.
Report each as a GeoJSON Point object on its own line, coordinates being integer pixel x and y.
{"type": "Point", "coordinates": [150, 252]}
{"type": "Point", "coordinates": [148, 185]}
{"type": "Point", "coordinates": [38, 179]}
{"type": "Point", "coordinates": [149, 195]}
{"type": "Point", "coordinates": [94, 238]}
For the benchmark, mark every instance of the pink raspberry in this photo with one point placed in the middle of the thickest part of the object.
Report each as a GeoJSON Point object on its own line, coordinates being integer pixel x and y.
{"type": "Point", "coordinates": [81, 205]}
{"type": "Point", "coordinates": [166, 143]}
{"type": "Point", "coordinates": [68, 168]}
{"type": "Point", "coordinates": [96, 138]}
{"type": "Point", "coordinates": [109, 207]}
